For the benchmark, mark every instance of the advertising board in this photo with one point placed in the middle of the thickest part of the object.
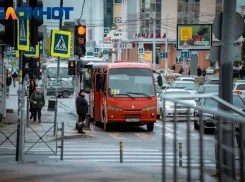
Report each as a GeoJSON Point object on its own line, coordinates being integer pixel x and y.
{"type": "Point", "coordinates": [194, 36]}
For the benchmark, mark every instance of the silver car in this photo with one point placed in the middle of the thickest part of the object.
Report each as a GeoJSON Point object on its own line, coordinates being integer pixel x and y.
{"type": "Point", "coordinates": [170, 107]}
{"type": "Point", "coordinates": [239, 88]}
{"type": "Point", "coordinates": [187, 85]}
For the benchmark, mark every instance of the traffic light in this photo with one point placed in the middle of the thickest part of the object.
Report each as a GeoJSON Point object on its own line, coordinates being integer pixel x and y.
{"type": "Point", "coordinates": [71, 67]}
{"type": "Point", "coordinates": [80, 40]}
{"type": "Point", "coordinates": [31, 66]}
{"type": "Point", "coordinates": [35, 35]}
{"type": "Point", "coordinates": [9, 35]}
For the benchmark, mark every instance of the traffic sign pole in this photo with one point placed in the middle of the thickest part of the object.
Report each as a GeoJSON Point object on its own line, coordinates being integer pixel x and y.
{"type": "Point", "coordinates": [226, 82]}
{"type": "Point", "coordinates": [166, 43]}
{"type": "Point", "coordinates": [57, 79]}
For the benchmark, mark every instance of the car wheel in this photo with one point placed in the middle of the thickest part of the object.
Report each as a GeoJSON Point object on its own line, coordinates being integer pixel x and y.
{"type": "Point", "coordinates": [196, 126]}
{"type": "Point", "coordinates": [150, 126]}
{"type": "Point", "coordinates": [65, 94]}
{"type": "Point", "coordinates": [158, 116]}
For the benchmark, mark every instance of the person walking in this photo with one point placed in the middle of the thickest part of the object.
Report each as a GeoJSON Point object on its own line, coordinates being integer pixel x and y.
{"type": "Point", "coordinates": [8, 82]}
{"type": "Point", "coordinates": [32, 89]}
{"type": "Point", "coordinates": [14, 76]}
{"type": "Point", "coordinates": [38, 102]}
{"type": "Point", "coordinates": [199, 71]}
{"type": "Point", "coordinates": [82, 109]}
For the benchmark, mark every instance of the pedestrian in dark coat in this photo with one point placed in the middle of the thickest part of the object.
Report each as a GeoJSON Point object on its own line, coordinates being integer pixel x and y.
{"type": "Point", "coordinates": [199, 71]}
{"type": "Point", "coordinates": [38, 102]}
{"type": "Point", "coordinates": [32, 89]}
{"type": "Point", "coordinates": [81, 106]}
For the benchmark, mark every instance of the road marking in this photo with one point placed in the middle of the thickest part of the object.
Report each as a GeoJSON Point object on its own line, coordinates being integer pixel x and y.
{"type": "Point", "coordinates": [117, 136]}
{"type": "Point", "coordinates": [167, 127]}
{"type": "Point", "coordinates": [171, 136]}
{"type": "Point", "coordinates": [144, 136]}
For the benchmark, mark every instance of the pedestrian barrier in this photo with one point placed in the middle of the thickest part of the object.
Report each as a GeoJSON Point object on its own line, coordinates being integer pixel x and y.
{"type": "Point", "coordinates": [44, 139]}
{"type": "Point", "coordinates": [8, 136]}
{"type": "Point", "coordinates": [229, 125]}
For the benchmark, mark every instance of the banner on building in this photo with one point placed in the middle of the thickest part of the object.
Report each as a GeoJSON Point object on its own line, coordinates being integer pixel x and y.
{"type": "Point", "coordinates": [194, 36]}
{"type": "Point", "coordinates": [147, 58]}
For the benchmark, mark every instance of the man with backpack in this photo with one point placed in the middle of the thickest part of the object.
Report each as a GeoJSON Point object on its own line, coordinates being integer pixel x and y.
{"type": "Point", "coordinates": [38, 102]}
{"type": "Point", "coordinates": [14, 76]}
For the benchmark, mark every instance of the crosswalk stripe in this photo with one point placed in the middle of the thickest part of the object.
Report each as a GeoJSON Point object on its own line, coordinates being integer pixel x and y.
{"type": "Point", "coordinates": [117, 136]}
{"type": "Point", "coordinates": [144, 136]}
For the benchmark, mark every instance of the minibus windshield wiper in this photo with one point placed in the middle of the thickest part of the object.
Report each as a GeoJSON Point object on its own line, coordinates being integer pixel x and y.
{"type": "Point", "coordinates": [139, 94]}
{"type": "Point", "coordinates": [127, 94]}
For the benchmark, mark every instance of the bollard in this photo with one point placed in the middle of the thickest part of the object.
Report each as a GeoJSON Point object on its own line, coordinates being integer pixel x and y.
{"type": "Point", "coordinates": [121, 152]}
{"type": "Point", "coordinates": [62, 141]}
{"type": "Point", "coordinates": [180, 154]}
{"type": "Point", "coordinates": [17, 154]}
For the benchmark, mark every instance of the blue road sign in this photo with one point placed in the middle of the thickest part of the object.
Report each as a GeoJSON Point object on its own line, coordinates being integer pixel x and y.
{"type": "Point", "coordinates": [61, 44]}
{"type": "Point", "coordinates": [23, 34]}
{"type": "Point", "coordinates": [106, 30]}
{"type": "Point", "coordinates": [163, 55]}
{"type": "Point", "coordinates": [96, 50]}
{"type": "Point", "coordinates": [105, 51]}
{"type": "Point", "coordinates": [96, 54]}
{"type": "Point", "coordinates": [185, 54]}
{"type": "Point", "coordinates": [33, 52]}
{"type": "Point", "coordinates": [41, 47]}
{"type": "Point", "coordinates": [90, 54]}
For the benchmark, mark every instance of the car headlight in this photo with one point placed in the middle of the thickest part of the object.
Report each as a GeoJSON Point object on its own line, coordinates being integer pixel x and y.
{"type": "Point", "coordinates": [150, 108]}
{"type": "Point", "coordinates": [112, 108]}
{"type": "Point", "coordinates": [208, 115]}
{"type": "Point", "coordinates": [169, 106]}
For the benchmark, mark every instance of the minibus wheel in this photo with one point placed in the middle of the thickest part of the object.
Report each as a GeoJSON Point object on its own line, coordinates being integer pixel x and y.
{"type": "Point", "coordinates": [150, 126]}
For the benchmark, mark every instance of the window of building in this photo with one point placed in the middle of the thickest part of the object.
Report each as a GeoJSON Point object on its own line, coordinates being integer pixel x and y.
{"type": "Point", "coordinates": [117, 1]}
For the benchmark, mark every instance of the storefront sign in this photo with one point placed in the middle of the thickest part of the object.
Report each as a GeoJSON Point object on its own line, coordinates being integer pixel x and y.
{"type": "Point", "coordinates": [148, 35]}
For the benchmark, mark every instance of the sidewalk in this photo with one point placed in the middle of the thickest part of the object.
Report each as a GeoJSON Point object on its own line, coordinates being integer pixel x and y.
{"type": "Point", "coordinates": [46, 127]}
{"type": "Point", "coordinates": [84, 172]}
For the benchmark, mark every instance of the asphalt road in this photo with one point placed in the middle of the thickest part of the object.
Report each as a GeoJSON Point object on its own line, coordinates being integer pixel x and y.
{"type": "Point", "coordinates": [140, 146]}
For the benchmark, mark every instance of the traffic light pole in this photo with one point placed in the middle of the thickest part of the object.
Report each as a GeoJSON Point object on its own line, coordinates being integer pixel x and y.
{"type": "Point", "coordinates": [57, 80]}
{"type": "Point", "coordinates": [21, 103]}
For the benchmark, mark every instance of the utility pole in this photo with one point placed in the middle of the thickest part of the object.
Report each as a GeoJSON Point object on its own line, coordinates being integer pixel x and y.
{"type": "Point", "coordinates": [57, 81]}
{"type": "Point", "coordinates": [226, 76]}
{"type": "Point", "coordinates": [154, 40]}
{"type": "Point", "coordinates": [166, 43]}
{"type": "Point", "coordinates": [21, 101]}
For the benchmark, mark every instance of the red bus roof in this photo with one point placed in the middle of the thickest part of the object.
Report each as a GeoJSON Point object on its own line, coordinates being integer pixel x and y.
{"type": "Point", "coordinates": [120, 64]}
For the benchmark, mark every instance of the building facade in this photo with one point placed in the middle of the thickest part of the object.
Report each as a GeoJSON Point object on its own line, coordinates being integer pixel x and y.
{"type": "Point", "coordinates": [166, 14]}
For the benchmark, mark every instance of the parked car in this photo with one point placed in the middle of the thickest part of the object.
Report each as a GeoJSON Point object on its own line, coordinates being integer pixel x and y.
{"type": "Point", "coordinates": [170, 107]}
{"type": "Point", "coordinates": [65, 89]}
{"type": "Point", "coordinates": [239, 88]}
{"type": "Point", "coordinates": [210, 70]}
{"type": "Point", "coordinates": [211, 81]}
{"type": "Point", "coordinates": [187, 85]}
{"type": "Point", "coordinates": [209, 120]}
{"type": "Point", "coordinates": [238, 132]}
{"type": "Point", "coordinates": [186, 79]}
{"type": "Point", "coordinates": [205, 89]}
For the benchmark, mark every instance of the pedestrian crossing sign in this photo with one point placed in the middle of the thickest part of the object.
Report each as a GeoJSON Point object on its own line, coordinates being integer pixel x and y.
{"type": "Point", "coordinates": [60, 44]}
{"type": "Point", "coordinates": [23, 35]}
{"type": "Point", "coordinates": [33, 52]}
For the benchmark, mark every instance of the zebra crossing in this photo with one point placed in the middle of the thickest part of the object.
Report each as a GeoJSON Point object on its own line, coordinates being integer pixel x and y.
{"type": "Point", "coordinates": [107, 153]}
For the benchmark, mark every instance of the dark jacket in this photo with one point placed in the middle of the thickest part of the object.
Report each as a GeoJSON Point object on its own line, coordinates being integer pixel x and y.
{"type": "Point", "coordinates": [199, 72]}
{"type": "Point", "coordinates": [39, 98]}
{"type": "Point", "coordinates": [31, 90]}
{"type": "Point", "coordinates": [81, 105]}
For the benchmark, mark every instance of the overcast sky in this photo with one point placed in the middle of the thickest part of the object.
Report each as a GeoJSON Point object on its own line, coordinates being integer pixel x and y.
{"type": "Point", "coordinates": [77, 4]}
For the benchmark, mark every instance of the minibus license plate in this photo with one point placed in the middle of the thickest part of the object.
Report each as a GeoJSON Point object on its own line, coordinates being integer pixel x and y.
{"type": "Point", "coordinates": [132, 120]}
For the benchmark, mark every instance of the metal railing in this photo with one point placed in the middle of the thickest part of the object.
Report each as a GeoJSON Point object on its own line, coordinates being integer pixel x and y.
{"type": "Point", "coordinates": [230, 125]}
{"type": "Point", "coordinates": [41, 139]}
{"type": "Point", "coordinates": [9, 140]}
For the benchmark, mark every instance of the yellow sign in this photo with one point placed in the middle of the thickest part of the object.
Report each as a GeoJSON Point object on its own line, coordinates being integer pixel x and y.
{"type": "Point", "coordinates": [33, 52]}
{"type": "Point", "coordinates": [185, 33]}
{"type": "Point", "coordinates": [23, 35]}
{"type": "Point", "coordinates": [61, 44]}
{"type": "Point", "coordinates": [17, 54]}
